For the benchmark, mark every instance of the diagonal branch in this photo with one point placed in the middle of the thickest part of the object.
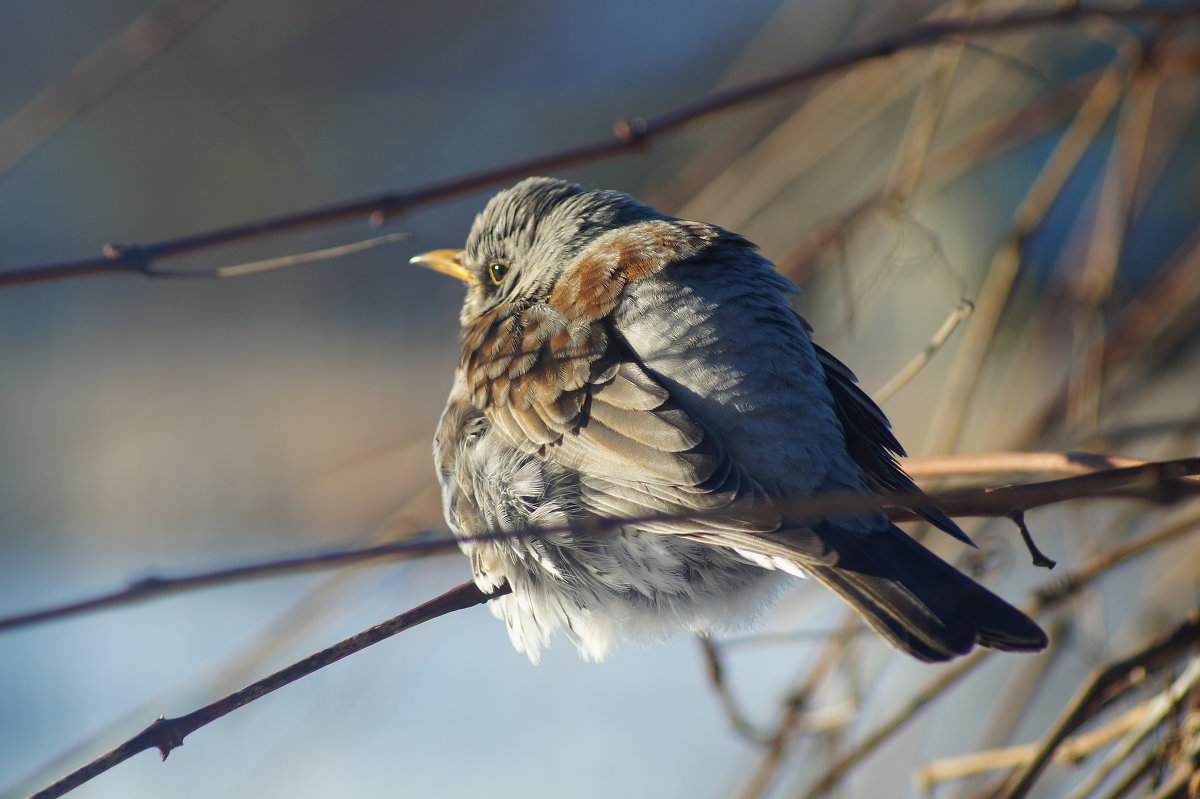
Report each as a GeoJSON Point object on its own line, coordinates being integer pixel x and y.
{"type": "Point", "coordinates": [628, 136]}
{"type": "Point", "coordinates": [1104, 679]}
{"type": "Point", "coordinates": [1048, 597]}
{"type": "Point", "coordinates": [97, 75]}
{"type": "Point", "coordinates": [166, 734]}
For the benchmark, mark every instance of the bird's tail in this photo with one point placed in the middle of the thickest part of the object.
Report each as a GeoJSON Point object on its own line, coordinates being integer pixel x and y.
{"type": "Point", "coordinates": [917, 601]}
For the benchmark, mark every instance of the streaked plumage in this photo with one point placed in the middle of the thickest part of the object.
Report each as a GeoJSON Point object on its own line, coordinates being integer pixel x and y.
{"type": "Point", "coordinates": [627, 364]}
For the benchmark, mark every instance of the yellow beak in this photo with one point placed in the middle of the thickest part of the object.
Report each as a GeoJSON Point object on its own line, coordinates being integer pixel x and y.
{"type": "Point", "coordinates": [448, 261]}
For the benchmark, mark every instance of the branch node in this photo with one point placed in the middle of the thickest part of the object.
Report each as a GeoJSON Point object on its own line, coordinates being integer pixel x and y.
{"type": "Point", "coordinates": [163, 734]}
{"type": "Point", "coordinates": [1166, 487]}
{"type": "Point", "coordinates": [629, 130]}
{"type": "Point", "coordinates": [137, 256]}
{"type": "Point", "coordinates": [1138, 675]}
{"type": "Point", "coordinates": [1039, 559]}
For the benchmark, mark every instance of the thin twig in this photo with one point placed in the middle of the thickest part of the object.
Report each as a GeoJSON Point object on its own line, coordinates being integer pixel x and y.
{"type": "Point", "coordinates": [794, 716]}
{"type": "Point", "coordinates": [1045, 599]}
{"type": "Point", "coordinates": [1155, 319]}
{"type": "Point", "coordinates": [982, 144]}
{"type": "Point", "coordinates": [629, 136]}
{"type": "Point", "coordinates": [1071, 750]}
{"type": "Point", "coordinates": [999, 463]}
{"type": "Point", "coordinates": [284, 261]}
{"type": "Point", "coordinates": [1135, 775]}
{"type": "Point", "coordinates": [156, 586]}
{"type": "Point", "coordinates": [166, 734]}
{"type": "Point", "coordinates": [961, 311]}
{"type": "Point", "coordinates": [1039, 558]}
{"type": "Point", "coordinates": [1101, 685]}
{"type": "Point", "coordinates": [926, 115]}
{"type": "Point", "coordinates": [1155, 713]}
{"type": "Point", "coordinates": [95, 76]}
{"type": "Point", "coordinates": [967, 366]}
{"type": "Point", "coordinates": [715, 667]}
{"type": "Point", "coordinates": [1092, 284]}
{"type": "Point", "coordinates": [932, 690]}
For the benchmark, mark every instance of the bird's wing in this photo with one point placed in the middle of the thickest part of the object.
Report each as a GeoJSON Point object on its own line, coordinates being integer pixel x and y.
{"type": "Point", "coordinates": [870, 441]}
{"type": "Point", "coordinates": [603, 416]}
{"type": "Point", "coordinates": [557, 380]}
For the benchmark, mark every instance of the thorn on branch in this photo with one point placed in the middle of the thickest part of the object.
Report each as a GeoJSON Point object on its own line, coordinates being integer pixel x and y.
{"type": "Point", "coordinates": [1039, 558]}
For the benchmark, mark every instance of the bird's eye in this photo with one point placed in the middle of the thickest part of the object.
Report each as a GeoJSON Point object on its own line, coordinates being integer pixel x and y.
{"type": "Point", "coordinates": [497, 270]}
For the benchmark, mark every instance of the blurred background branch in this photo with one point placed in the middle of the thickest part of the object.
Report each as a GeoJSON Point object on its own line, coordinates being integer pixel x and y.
{"type": "Point", "coordinates": [147, 35]}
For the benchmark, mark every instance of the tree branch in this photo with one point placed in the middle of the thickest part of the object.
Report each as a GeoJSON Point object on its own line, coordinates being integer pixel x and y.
{"type": "Point", "coordinates": [1161, 482]}
{"type": "Point", "coordinates": [166, 734]}
{"type": "Point", "coordinates": [1049, 596]}
{"type": "Point", "coordinates": [628, 136]}
{"type": "Point", "coordinates": [1071, 750]}
{"type": "Point", "coordinates": [96, 75]}
{"type": "Point", "coordinates": [1104, 679]}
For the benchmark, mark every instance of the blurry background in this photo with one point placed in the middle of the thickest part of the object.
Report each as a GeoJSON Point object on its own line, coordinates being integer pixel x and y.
{"type": "Point", "coordinates": [1051, 176]}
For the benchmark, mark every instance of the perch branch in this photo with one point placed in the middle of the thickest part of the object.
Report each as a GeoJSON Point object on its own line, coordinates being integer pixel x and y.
{"type": "Point", "coordinates": [1155, 481]}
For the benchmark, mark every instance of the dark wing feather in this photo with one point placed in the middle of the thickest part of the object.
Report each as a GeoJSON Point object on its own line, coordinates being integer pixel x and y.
{"type": "Point", "coordinates": [871, 443]}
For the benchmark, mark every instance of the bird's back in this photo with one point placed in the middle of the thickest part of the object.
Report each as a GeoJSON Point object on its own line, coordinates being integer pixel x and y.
{"type": "Point", "coordinates": [719, 333]}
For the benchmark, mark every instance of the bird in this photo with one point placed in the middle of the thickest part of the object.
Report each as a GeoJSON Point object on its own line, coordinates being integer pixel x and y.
{"type": "Point", "coordinates": [618, 363]}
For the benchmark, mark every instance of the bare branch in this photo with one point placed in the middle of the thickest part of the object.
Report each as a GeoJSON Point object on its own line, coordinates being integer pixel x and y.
{"type": "Point", "coordinates": [1099, 687]}
{"type": "Point", "coordinates": [1133, 724]}
{"type": "Point", "coordinates": [1156, 712]}
{"type": "Point", "coordinates": [154, 587]}
{"type": "Point", "coordinates": [1158, 481]}
{"type": "Point", "coordinates": [166, 734]}
{"type": "Point", "coordinates": [961, 311]}
{"type": "Point", "coordinates": [629, 136]}
{"type": "Point", "coordinates": [997, 463]}
{"type": "Point", "coordinates": [282, 262]}
{"type": "Point", "coordinates": [95, 76]}
{"type": "Point", "coordinates": [1071, 750]}
{"type": "Point", "coordinates": [965, 370]}
{"type": "Point", "coordinates": [1045, 599]}
{"type": "Point", "coordinates": [715, 666]}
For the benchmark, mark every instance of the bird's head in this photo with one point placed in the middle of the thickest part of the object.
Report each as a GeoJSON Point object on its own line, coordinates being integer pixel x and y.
{"type": "Point", "coordinates": [526, 236]}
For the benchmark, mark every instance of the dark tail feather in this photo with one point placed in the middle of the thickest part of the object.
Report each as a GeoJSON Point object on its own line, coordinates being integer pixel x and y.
{"type": "Point", "coordinates": [917, 601]}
